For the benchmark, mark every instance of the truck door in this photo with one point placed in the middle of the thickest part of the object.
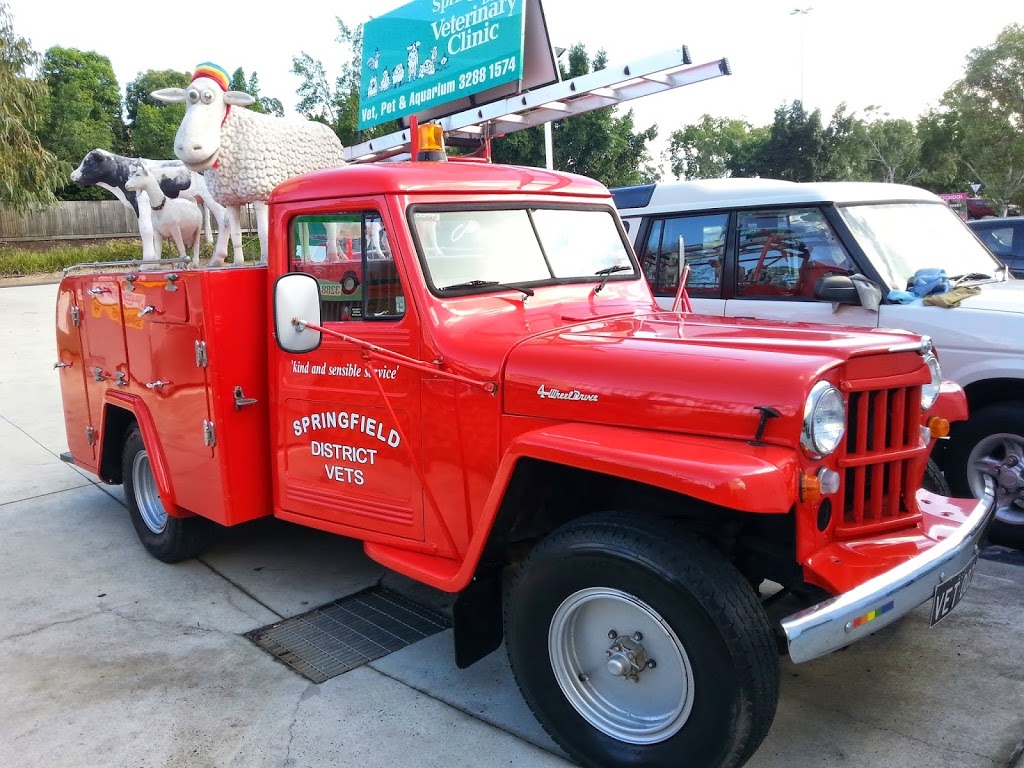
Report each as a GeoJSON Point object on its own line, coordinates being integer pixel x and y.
{"type": "Point", "coordinates": [99, 300]}
{"type": "Point", "coordinates": [71, 361]}
{"type": "Point", "coordinates": [345, 453]}
{"type": "Point", "coordinates": [161, 338]}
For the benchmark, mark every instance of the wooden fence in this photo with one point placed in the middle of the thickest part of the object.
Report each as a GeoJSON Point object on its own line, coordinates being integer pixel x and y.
{"type": "Point", "coordinates": [83, 220]}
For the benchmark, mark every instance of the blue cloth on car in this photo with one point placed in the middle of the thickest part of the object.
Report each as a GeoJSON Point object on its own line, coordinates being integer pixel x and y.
{"type": "Point", "coordinates": [925, 282]}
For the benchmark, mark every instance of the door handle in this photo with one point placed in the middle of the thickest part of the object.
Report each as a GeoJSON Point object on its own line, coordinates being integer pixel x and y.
{"type": "Point", "coordinates": [241, 400]}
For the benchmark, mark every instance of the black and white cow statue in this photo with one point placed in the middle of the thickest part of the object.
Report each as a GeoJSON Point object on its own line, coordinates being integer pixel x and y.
{"type": "Point", "coordinates": [109, 171]}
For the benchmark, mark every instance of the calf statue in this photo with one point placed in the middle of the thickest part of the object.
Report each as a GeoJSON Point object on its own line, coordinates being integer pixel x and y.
{"type": "Point", "coordinates": [111, 172]}
{"type": "Point", "coordinates": [175, 218]}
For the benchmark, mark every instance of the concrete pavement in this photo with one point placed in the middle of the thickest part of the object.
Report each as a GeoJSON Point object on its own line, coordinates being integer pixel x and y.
{"type": "Point", "coordinates": [110, 658]}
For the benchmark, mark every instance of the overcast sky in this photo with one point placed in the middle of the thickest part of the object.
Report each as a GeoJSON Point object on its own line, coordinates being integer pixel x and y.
{"type": "Point", "coordinates": [898, 54]}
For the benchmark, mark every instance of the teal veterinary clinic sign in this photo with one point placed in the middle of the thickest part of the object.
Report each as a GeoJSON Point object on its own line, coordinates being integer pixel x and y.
{"type": "Point", "coordinates": [429, 52]}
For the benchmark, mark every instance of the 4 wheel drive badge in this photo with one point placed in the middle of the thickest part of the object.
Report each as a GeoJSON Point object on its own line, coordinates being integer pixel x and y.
{"type": "Point", "coordinates": [557, 394]}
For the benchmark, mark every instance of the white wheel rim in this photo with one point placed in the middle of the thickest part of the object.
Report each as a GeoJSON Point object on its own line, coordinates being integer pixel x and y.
{"type": "Point", "coordinates": [646, 711]}
{"type": "Point", "coordinates": [995, 448]}
{"type": "Point", "coordinates": [146, 495]}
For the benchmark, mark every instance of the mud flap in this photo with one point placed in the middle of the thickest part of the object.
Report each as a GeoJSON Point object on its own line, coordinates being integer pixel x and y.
{"type": "Point", "coordinates": [477, 619]}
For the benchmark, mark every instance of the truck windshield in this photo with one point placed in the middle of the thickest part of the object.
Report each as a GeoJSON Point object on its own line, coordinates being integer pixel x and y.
{"type": "Point", "coordinates": [479, 250]}
{"type": "Point", "coordinates": [901, 238]}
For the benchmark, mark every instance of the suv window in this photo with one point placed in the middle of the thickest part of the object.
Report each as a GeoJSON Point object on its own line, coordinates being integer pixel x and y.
{"type": "Point", "coordinates": [349, 255]}
{"type": "Point", "coordinates": [783, 253]}
{"type": "Point", "coordinates": [703, 239]}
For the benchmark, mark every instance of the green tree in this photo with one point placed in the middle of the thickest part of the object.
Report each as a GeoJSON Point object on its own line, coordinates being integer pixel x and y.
{"type": "Point", "coordinates": [317, 98]}
{"type": "Point", "coordinates": [337, 104]}
{"type": "Point", "coordinates": [263, 104]}
{"type": "Point", "coordinates": [939, 133]}
{"type": "Point", "coordinates": [893, 150]}
{"type": "Point", "coordinates": [989, 107]}
{"type": "Point", "coordinates": [709, 148]}
{"type": "Point", "coordinates": [152, 124]}
{"type": "Point", "coordinates": [29, 173]}
{"type": "Point", "coordinates": [845, 155]}
{"type": "Point", "coordinates": [598, 144]}
{"type": "Point", "coordinates": [795, 149]}
{"type": "Point", "coordinates": [83, 106]}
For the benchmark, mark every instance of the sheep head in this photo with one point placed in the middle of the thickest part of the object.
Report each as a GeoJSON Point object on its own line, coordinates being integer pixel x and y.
{"type": "Point", "coordinates": [206, 100]}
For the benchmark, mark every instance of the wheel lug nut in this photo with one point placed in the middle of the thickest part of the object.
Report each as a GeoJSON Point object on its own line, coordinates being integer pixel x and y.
{"type": "Point", "coordinates": [638, 636]}
{"type": "Point", "coordinates": [634, 678]}
{"type": "Point", "coordinates": [651, 663]}
{"type": "Point", "coordinates": [612, 634]}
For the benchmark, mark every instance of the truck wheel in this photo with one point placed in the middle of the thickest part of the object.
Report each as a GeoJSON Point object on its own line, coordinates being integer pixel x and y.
{"type": "Point", "coordinates": [636, 646]}
{"type": "Point", "coordinates": [934, 481]}
{"type": "Point", "coordinates": [991, 433]}
{"type": "Point", "coordinates": [167, 538]}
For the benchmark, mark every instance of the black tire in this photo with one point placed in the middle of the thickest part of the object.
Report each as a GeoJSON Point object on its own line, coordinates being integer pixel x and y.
{"type": "Point", "coordinates": [170, 539]}
{"type": "Point", "coordinates": [729, 651]}
{"type": "Point", "coordinates": [934, 481]}
{"type": "Point", "coordinates": [984, 428]}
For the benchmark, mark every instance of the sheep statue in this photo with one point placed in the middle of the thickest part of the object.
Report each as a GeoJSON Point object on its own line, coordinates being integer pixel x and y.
{"type": "Point", "coordinates": [244, 154]}
{"type": "Point", "coordinates": [111, 172]}
{"type": "Point", "coordinates": [177, 218]}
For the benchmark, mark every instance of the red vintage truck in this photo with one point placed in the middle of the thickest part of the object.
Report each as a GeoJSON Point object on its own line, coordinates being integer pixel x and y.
{"type": "Point", "coordinates": [483, 390]}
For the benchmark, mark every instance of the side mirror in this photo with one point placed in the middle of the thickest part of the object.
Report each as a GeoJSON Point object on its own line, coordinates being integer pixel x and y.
{"type": "Point", "coordinates": [296, 302]}
{"type": "Point", "coordinates": [838, 289]}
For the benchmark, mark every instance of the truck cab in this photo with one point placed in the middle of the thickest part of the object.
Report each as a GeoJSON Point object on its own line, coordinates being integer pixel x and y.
{"type": "Point", "coordinates": [461, 365]}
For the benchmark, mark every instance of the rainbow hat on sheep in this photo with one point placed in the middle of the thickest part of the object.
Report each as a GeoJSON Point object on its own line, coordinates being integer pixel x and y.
{"type": "Point", "coordinates": [218, 74]}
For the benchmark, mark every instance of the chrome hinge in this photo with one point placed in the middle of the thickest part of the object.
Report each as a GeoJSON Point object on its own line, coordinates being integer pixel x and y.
{"type": "Point", "coordinates": [76, 316]}
{"type": "Point", "coordinates": [97, 374]}
{"type": "Point", "coordinates": [171, 278]}
{"type": "Point", "coordinates": [208, 434]}
{"type": "Point", "coordinates": [122, 379]}
{"type": "Point", "coordinates": [62, 365]}
{"type": "Point", "coordinates": [90, 435]}
{"type": "Point", "coordinates": [129, 282]}
{"type": "Point", "coordinates": [201, 359]}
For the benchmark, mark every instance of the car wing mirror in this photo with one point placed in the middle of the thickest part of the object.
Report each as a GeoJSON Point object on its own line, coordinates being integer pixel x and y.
{"type": "Point", "coordinates": [296, 304]}
{"type": "Point", "coordinates": [839, 289]}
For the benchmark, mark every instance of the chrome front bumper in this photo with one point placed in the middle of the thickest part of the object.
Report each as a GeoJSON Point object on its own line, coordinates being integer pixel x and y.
{"type": "Point", "coordinates": [834, 623]}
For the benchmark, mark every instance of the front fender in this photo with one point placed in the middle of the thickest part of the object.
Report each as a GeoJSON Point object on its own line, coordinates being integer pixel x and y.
{"type": "Point", "coordinates": [728, 473]}
{"type": "Point", "coordinates": [951, 403]}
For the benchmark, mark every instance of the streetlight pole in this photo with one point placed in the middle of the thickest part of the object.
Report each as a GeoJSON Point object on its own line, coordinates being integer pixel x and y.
{"type": "Point", "coordinates": [549, 144]}
{"type": "Point", "coordinates": [801, 12]}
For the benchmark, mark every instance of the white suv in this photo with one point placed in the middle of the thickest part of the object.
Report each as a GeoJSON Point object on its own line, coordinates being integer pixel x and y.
{"type": "Point", "coordinates": [801, 252]}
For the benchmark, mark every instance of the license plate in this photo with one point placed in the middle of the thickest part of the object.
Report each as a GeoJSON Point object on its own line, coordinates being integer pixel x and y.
{"type": "Point", "coordinates": [949, 593]}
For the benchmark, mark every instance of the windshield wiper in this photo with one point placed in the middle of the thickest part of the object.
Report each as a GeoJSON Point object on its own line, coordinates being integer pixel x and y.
{"type": "Point", "coordinates": [608, 272]}
{"type": "Point", "coordinates": [957, 279]}
{"type": "Point", "coordinates": [487, 284]}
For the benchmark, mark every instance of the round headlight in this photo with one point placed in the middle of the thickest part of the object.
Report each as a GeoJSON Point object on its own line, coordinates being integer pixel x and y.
{"type": "Point", "coordinates": [824, 420]}
{"type": "Point", "coordinates": [930, 392]}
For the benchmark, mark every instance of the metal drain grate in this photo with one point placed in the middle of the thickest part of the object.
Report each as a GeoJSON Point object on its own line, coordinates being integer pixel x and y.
{"type": "Point", "coordinates": [340, 636]}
